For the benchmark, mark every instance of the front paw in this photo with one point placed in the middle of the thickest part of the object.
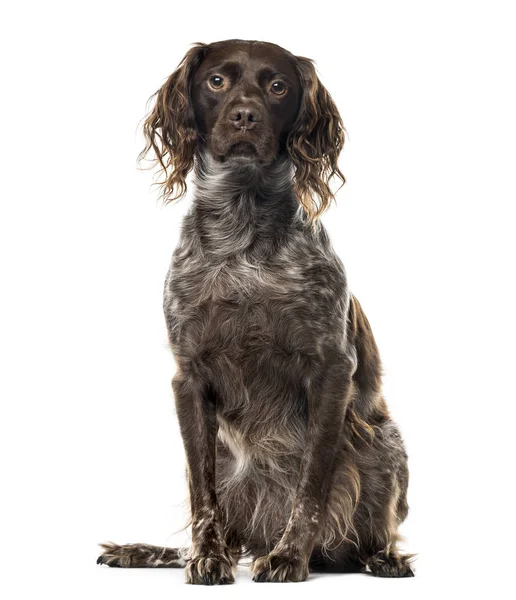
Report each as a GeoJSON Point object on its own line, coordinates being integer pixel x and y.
{"type": "Point", "coordinates": [279, 568]}
{"type": "Point", "coordinates": [209, 570]}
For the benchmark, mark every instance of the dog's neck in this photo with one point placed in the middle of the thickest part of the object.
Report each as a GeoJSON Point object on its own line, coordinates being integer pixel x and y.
{"type": "Point", "coordinates": [243, 207]}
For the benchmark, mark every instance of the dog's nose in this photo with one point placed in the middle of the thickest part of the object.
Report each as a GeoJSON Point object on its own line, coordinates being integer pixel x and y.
{"type": "Point", "coordinates": [244, 117]}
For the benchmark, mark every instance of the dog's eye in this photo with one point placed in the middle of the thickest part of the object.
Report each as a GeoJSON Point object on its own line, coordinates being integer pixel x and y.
{"type": "Point", "coordinates": [216, 82]}
{"type": "Point", "coordinates": [278, 88]}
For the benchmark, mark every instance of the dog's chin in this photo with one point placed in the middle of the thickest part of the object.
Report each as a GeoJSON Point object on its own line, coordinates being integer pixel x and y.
{"type": "Point", "coordinates": [245, 153]}
{"type": "Point", "coordinates": [242, 153]}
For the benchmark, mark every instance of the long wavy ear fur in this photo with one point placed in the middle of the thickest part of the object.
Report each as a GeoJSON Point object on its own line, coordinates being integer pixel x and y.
{"type": "Point", "coordinates": [170, 131]}
{"type": "Point", "coordinates": [315, 142]}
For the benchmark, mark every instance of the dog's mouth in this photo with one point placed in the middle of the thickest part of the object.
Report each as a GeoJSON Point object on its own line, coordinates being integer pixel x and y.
{"type": "Point", "coordinates": [243, 148]}
{"type": "Point", "coordinates": [241, 152]}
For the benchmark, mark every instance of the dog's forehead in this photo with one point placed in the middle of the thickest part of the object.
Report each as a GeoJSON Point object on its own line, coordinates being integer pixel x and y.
{"type": "Point", "coordinates": [249, 55]}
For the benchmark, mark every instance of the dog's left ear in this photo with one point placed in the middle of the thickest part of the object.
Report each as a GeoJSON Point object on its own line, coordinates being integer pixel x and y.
{"type": "Point", "coordinates": [170, 130]}
{"type": "Point", "coordinates": [314, 143]}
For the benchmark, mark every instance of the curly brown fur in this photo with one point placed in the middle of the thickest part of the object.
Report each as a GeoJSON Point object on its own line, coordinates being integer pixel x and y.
{"type": "Point", "coordinates": [170, 130]}
{"type": "Point", "coordinates": [292, 456]}
{"type": "Point", "coordinates": [315, 142]}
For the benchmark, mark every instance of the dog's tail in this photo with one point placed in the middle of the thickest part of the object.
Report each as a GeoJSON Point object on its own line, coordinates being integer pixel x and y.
{"type": "Point", "coordinates": [142, 556]}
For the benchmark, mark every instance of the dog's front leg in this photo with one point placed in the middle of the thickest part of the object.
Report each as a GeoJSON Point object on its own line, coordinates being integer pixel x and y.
{"type": "Point", "coordinates": [210, 561]}
{"type": "Point", "coordinates": [327, 396]}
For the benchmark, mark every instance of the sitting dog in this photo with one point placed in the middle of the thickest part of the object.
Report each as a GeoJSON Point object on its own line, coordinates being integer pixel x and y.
{"type": "Point", "coordinates": [292, 457]}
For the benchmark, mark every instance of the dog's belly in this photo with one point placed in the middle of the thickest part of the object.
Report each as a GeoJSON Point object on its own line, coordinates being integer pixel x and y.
{"type": "Point", "coordinates": [261, 401]}
{"type": "Point", "coordinates": [257, 472]}
{"type": "Point", "coordinates": [261, 410]}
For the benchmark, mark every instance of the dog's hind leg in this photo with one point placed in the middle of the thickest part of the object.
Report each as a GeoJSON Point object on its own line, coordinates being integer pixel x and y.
{"type": "Point", "coordinates": [390, 563]}
{"type": "Point", "coordinates": [142, 556]}
{"type": "Point", "coordinates": [382, 557]}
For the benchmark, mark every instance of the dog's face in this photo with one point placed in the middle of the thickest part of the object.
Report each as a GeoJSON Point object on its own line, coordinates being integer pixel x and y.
{"type": "Point", "coordinates": [246, 99]}
{"type": "Point", "coordinates": [247, 102]}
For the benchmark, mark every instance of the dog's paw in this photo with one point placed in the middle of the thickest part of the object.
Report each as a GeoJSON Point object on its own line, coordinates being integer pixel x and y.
{"type": "Point", "coordinates": [141, 555]}
{"type": "Point", "coordinates": [279, 568]}
{"type": "Point", "coordinates": [210, 570]}
{"type": "Point", "coordinates": [118, 556]}
{"type": "Point", "coordinates": [390, 565]}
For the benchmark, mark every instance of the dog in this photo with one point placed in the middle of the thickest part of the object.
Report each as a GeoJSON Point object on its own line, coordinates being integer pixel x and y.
{"type": "Point", "coordinates": [292, 457]}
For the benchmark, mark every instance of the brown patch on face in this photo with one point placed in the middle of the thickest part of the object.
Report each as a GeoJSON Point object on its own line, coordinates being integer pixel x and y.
{"type": "Point", "coordinates": [246, 95]}
{"type": "Point", "coordinates": [247, 101]}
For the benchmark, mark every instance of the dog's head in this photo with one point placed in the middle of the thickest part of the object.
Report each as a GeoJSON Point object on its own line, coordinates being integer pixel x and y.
{"type": "Point", "coordinates": [247, 102]}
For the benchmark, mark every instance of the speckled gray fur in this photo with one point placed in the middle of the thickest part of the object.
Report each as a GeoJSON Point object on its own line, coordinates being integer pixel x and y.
{"type": "Point", "coordinates": [292, 456]}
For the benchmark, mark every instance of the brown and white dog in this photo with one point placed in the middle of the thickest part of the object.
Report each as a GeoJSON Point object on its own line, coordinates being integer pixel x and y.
{"type": "Point", "coordinates": [292, 456]}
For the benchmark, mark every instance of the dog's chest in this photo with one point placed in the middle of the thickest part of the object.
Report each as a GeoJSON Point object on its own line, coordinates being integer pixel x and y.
{"type": "Point", "coordinates": [230, 298]}
{"type": "Point", "coordinates": [236, 280]}
{"type": "Point", "coordinates": [234, 283]}
{"type": "Point", "coordinates": [293, 301]}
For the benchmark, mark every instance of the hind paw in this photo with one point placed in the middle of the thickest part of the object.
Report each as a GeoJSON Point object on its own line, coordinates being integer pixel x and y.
{"type": "Point", "coordinates": [140, 556]}
{"type": "Point", "coordinates": [384, 564]}
{"type": "Point", "coordinates": [117, 556]}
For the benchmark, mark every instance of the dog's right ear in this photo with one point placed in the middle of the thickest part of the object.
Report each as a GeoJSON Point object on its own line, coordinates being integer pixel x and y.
{"type": "Point", "coordinates": [170, 131]}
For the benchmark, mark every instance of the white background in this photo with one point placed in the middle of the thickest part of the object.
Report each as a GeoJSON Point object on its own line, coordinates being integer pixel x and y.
{"type": "Point", "coordinates": [425, 225]}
